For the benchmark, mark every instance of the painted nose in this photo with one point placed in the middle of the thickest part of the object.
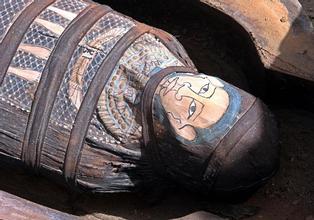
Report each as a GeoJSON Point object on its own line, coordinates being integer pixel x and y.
{"type": "Point", "coordinates": [254, 155]}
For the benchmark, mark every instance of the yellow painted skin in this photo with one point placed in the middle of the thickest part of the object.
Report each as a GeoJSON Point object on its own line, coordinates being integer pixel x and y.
{"type": "Point", "coordinates": [192, 101]}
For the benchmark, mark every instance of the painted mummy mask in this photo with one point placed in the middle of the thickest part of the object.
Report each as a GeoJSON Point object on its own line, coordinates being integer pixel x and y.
{"type": "Point", "coordinates": [111, 104]}
{"type": "Point", "coordinates": [196, 102]}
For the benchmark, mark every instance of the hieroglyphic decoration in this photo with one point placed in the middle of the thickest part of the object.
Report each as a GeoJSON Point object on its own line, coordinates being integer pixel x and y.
{"type": "Point", "coordinates": [24, 73]}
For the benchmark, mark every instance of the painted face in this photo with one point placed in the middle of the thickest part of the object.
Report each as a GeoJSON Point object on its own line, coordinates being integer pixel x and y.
{"type": "Point", "coordinates": [192, 101]}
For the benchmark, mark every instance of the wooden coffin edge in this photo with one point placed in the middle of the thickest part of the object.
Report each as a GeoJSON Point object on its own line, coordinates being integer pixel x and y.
{"type": "Point", "coordinates": [13, 207]}
{"type": "Point", "coordinates": [280, 30]}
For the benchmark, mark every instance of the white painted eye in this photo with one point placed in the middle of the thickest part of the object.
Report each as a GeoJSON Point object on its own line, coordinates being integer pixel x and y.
{"type": "Point", "coordinates": [204, 89]}
{"type": "Point", "coordinates": [192, 108]}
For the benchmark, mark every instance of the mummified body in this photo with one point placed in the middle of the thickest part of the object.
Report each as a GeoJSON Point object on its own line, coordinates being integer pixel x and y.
{"type": "Point", "coordinates": [111, 104]}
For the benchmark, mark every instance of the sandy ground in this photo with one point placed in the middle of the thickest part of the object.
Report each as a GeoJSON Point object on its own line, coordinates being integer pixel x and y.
{"type": "Point", "coordinates": [289, 195]}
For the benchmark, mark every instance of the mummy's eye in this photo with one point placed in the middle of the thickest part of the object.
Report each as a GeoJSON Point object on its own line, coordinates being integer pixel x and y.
{"type": "Point", "coordinates": [192, 109]}
{"type": "Point", "coordinates": [204, 89]}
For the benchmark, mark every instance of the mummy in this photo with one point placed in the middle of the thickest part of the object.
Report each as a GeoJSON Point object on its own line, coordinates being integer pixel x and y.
{"type": "Point", "coordinates": [104, 103]}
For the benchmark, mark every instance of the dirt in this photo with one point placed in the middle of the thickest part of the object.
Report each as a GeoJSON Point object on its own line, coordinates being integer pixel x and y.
{"type": "Point", "coordinates": [218, 48]}
{"type": "Point", "coordinates": [309, 8]}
